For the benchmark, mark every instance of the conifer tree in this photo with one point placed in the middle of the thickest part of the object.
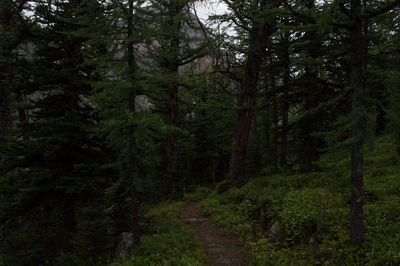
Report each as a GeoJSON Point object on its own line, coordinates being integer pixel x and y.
{"type": "Point", "coordinates": [258, 24]}
{"type": "Point", "coordinates": [53, 200]}
{"type": "Point", "coordinates": [392, 76]}
{"type": "Point", "coordinates": [355, 15]}
{"type": "Point", "coordinates": [118, 88]}
{"type": "Point", "coordinates": [14, 31]}
{"type": "Point", "coordinates": [177, 41]}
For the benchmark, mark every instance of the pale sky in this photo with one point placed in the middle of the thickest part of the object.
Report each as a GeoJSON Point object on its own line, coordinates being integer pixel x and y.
{"type": "Point", "coordinates": [214, 7]}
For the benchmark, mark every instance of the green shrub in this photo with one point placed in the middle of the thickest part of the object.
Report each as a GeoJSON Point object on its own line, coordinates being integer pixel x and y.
{"type": "Point", "coordinates": [209, 206]}
{"type": "Point", "coordinates": [198, 194]}
{"type": "Point", "coordinates": [167, 241]}
{"type": "Point", "coordinates": [315, 204]}
{"type": "Point", "coordinates": [383, 231]}
{"type": "Point", "coordinates": [307, 211]}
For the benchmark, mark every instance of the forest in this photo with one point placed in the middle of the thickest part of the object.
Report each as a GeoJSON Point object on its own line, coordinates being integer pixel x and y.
{"type": "Point", "coordinates": [280, 119]}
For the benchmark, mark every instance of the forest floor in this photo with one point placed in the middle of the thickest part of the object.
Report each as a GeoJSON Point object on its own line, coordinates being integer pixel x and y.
{"type": "Point", "coordinates": [220, 247]}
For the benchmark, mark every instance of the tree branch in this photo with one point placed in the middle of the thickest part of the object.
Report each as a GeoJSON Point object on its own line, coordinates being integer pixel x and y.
{"type": "Point", "coordinates": [383, 8]}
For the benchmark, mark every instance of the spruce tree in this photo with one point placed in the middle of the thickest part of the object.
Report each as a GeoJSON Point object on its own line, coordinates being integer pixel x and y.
{"type": "Point", "coordinates": [258, 25]}
{"type": "Point", "coordinates": [177, 42]}
{"type": "Point", "coordinates": [53, 202]}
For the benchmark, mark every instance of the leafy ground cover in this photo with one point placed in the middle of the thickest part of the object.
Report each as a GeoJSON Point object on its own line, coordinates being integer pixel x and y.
{"type": "Point", "coordinates": [167, 240]}
{"type": "Point", "coordinates": [312, 209]}
{"type": "Point", "coordinates": [314, 213]}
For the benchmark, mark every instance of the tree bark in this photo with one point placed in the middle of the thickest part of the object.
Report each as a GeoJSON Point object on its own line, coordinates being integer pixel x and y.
{"type": "Point", "coordinates": [172, 124]}
{"type": "Point", "coordinates": [135, 228]}
{"type": "Point", "coordinates": [5, 120]}
{"type": "Point", "coordinates": [6, 18]}
{"type": "Point", "coordinates": [275, 127]}
{"type": "Point", "coordinates": [246, 102]}
{"type": "Point", "coordinates": [174, 9]}
{"type": "Point", "coordinates": [259, 34]}
{"type": "Point", "coordinates": [356, 63]}
{"type": "Point", "coordinates": [310, 150]}
{"type": "Point", "coordinates": [285, 105]}
{"type": "Point", "coordinates": [5, 113]}
{"type": "Point", "coordinates": [22, 113]}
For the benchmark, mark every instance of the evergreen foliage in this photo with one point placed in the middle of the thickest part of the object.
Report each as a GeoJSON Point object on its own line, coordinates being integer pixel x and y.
{"type": "Point", "coordinates": [108, 107]}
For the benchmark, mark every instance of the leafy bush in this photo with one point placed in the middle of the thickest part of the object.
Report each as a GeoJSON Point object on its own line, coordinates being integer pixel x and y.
{"type": "Point", "coordinates": [309, 211]}
{"type": "Point", "coordinates": [198, 194]}
{"type": "Point", "coordinates": [315, 205]}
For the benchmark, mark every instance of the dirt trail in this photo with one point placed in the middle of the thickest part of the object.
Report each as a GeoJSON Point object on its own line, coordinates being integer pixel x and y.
{"type": "Point", "coordinates": [220, 247]}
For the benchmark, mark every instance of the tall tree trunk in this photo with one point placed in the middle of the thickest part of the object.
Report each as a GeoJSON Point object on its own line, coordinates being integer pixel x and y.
{"type": "Point", "coordinates": [268, 115]}
{"type": "Point", "coordinates": [172, 64]}
{"type": "Point", "coordinates": [259, 35]}
{"type": "Point", "coordinates": [172, 124]}
{"type": "Point", "coordinates": [310, 143]}
{"type": "Point", "coordinates": [257, 152]}
{"type": "Point", "coordinates": [5, 119]}
{"type": "Point", "coordinates": [356, 63]}
{"type": "Point", "coordinates": [276, 133]}
{"type": "Point", "coordinates": [284, 135]}
{"type": "Point", "coordinates": [135, 229]}
{"type": "Point", "coordinates": [285, 105]}
{"type": "Point", "coordinates": [267, 134]}
{"type": "Point", "coordinates": [246, 103]}
{"type": "Point", "coordinates": [22, 114]}
{"type": "Point", "coordinates": [5, 113]}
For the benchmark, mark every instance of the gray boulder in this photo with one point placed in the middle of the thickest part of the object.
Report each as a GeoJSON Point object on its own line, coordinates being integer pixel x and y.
{"type": "Point", "coordinates": [315, 238]}
{"type": "Point", "coordinates": [125, 242]}
{"type": "Point", "coordinates": [276, 233]}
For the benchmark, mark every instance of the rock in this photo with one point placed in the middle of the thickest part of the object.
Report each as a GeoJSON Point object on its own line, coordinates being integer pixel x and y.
{"type": "Point", "coordinates": [312, 240]}
{"type": "Point", "coordinates": [276, 232]}
{"type": "Point", "coordinates": [315, 238]}
{"type": "Point", "coordinates": [125, 242]}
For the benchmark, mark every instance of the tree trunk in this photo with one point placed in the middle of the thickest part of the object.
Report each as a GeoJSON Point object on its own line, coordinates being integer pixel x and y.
{"type": "Point", "coordinates": [22, 114]}
{"type": "Point", "coordinates": [5, 113]}
{"type": "Point", "coordinates": [172, 124]}
{"type": "Point", "coordinates": [356, 63]}
{"type": "Point", "coordinates": [276, 134]}
{"type": "Point", "coordinates": [135, 228]}
{"type": "Point", "coordinates": [310, 151]}
{"type": "Point", "coordinates": [398, 141]}
{"type": "Point", "coordinates": [172, 65]}
{"type": "Point", "coordinates": [259, 35]}
{"type": "Point", "coordinates": [5, 119]}
{"type": "Point", "coordinates": [267, 124]}
{"type": "Point", "coordinates": [284, 134]}
{"type": "Point", "coordinates": [257, 152]}
{"type": "Point", "coordinates": [246, 102]}
{"type": "Point", "coordinates": [285, 105]}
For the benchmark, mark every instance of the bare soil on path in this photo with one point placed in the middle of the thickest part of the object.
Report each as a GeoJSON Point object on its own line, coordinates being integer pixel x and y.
{"type": "Point", "coordinates": [221, 248]}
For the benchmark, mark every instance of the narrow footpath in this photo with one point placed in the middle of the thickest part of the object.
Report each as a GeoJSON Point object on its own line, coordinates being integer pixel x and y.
{"type": "Point", "coordinates": [221, 248]}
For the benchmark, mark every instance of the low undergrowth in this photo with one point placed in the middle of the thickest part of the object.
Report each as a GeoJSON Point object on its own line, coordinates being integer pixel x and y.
{"type": "Point", "coordinates": [166, 240]}
{"type": "Point", "coordinates": [314, 215]}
